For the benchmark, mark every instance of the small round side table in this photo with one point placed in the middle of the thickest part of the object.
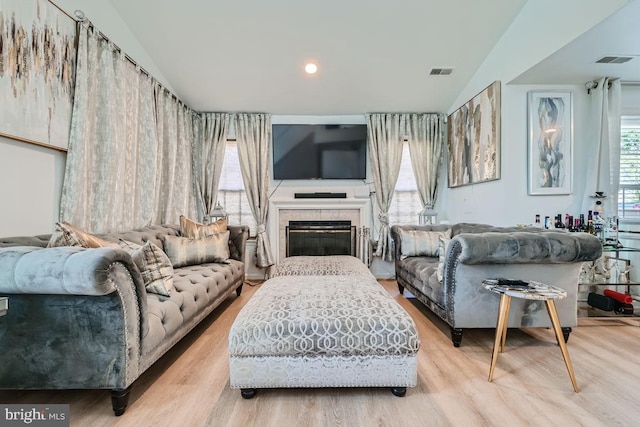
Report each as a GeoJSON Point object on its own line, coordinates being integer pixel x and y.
{"type": "Point", "coordinates": [533, 291]}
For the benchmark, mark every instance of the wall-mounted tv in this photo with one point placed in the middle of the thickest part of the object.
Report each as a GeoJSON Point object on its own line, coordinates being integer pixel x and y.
{"type": "Point", "coordinates": [303, 151]}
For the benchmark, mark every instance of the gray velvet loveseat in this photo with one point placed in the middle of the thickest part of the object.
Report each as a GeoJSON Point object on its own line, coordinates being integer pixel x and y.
{"type": "Point", "coordinates": [82, 318]}
{"type": "Point", "coordinates": [443, 267]}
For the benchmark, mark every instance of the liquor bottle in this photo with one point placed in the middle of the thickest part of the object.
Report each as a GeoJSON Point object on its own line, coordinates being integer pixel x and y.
{"type": "Point", "coordinates": [568, 221]}
{"type": "Point", "coordinates": [582, 225]}
{"type": "Point", "coordinates": [590, 228]}
{"type": "Point", "coordinates": [547, 222]}
{"type": "Point", "coordinates": [537, 224]}
{"type": "Point", "coordinates": [599, 225]}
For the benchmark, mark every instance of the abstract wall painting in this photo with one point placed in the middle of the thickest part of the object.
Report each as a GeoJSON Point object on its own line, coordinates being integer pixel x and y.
{"type": "Point", "coordinates": [474, 139]}
{"type": "Point", "coordinates": [550, 144]}
{"type": "Point", "coordinates": [37, 66]}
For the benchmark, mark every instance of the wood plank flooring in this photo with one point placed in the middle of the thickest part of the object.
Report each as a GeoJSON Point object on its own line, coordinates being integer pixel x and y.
{"type": "Point", "coordinates": [189, 386]}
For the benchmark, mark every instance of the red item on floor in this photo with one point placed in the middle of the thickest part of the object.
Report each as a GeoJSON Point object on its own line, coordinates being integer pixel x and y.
{"type": "Point", "coordinates": [620, 297]}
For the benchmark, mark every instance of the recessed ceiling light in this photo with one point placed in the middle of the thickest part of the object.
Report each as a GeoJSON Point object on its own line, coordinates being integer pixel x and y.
{"type": "Point", "coordinates": [310, 68]}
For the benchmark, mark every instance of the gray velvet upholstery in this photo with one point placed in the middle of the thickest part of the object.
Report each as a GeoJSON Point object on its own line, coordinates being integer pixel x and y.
{"type": "Point", "coordinates": [479, 251]}
{"type": "Point", "coordinates": [81, 318]}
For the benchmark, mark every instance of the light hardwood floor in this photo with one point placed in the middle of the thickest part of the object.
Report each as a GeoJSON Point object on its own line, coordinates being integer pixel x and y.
{"type": "Point", "coordinates": [189, 386]}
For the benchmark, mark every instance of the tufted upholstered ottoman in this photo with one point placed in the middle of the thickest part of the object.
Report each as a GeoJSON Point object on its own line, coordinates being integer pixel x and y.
{"type": "Point", "coordinates": [332, 330]}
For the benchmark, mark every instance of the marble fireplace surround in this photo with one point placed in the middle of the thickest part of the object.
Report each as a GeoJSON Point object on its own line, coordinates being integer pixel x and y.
{"type": "Point", "coordinates": [281, 211]}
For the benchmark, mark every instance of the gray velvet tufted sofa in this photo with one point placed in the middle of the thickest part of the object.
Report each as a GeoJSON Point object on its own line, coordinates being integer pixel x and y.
{"type": "Point", "coordinates": [82, 318]}
{"type": "Point", "coordinates": [479, 251]}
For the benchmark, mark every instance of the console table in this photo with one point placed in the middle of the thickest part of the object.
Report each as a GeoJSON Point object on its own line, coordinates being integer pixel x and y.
{"type": "Point", "coordinates": [621, 272]}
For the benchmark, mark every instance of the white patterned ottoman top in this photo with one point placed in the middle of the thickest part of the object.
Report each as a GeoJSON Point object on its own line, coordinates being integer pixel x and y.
{"type": "Point", "coordinates": [322, 315]}
{"type": "Point", "coordinates": [331, 265]}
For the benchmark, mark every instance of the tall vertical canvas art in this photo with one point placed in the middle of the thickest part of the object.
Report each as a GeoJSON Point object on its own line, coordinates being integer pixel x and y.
{"type": "Point", "coordinates": [37, 65]}
{"type": "Point", "coordinates": [474, 139]}
{"type": "Point", "coordinates": [550, 142]}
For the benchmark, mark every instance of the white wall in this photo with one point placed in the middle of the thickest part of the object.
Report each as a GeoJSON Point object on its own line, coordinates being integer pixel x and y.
{"type": "Point", "coordinates": [526, 42]}
{"type": "Point", "coordinates": [30, 187]}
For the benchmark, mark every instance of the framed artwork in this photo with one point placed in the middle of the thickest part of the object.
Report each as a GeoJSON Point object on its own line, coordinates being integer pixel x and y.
{"type": "Point", "coordinates": [474, 139]}
{"type": "Point", "coordinates": [37, 66]}
{"type": "Point", "coordinates": [550, 142]}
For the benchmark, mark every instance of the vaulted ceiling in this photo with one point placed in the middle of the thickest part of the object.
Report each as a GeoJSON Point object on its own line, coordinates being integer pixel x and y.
{"type": "Point", "coordinates": [372, 55]}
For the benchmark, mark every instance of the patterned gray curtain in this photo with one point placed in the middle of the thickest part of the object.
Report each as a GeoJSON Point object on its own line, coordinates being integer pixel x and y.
{"type": "Point", "coordinates": [253, 134]}
{"type": "Point", "coordinates": [209, 142]}
{"type": "Point", "coordinates": [385, 135]}
{"type": "Point", "coordinates": [123, 171]}
{"type": "Point", "coordinates": [426, 137]}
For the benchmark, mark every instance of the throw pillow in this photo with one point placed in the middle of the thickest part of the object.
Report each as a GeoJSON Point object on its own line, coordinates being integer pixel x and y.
{"type": "Point", "coordinates": [67, 234]}
{"type": "Point", "coordinates": [154, 265]}
{"type": "Point", "coordinates": [443, 245]}
{"type": "Point", "coordinates": [195, 230]}
{"type": "Point", "coordinates": [183, 251]}
{"type": "Point", "coordinates": [420, 242]}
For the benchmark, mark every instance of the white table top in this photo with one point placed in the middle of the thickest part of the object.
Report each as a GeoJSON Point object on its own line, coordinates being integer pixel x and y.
{"type": "Point", "coordinates": [534, 290]}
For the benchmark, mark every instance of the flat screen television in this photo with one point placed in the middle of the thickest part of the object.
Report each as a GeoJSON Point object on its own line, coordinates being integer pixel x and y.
{"type": "Point", "coordinates": [303, 151]}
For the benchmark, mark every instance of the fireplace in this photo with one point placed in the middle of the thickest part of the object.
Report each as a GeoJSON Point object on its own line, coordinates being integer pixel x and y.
{"type": "Point", "coordinates": [320, 238]}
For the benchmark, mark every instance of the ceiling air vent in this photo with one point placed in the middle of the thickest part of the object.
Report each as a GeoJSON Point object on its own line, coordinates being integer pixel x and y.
{"type": "Point", "coordinates": [614, 59]}
{"type": "Point", "coordinates": [441, 71]}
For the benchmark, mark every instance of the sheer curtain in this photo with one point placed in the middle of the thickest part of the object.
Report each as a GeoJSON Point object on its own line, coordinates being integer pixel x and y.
{"type": "Point", "coordinates": [209, 143]}
{"type": "Point", "coordinates": [604, 174]}
{"type": "Point", "coordinates": [426, 135]}
{"type": "Point", "coordinates": [115, 178]}
{"type": "Point", "coordinates": [174, 185]}
{"type": "Point", "coordinates": [386, 133]}
{"type": "Point", "coordinates": [253, 134]}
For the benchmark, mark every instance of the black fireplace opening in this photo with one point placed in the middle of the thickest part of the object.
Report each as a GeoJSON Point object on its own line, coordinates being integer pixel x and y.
{"type": "Point", "coordinates": [319, 238]}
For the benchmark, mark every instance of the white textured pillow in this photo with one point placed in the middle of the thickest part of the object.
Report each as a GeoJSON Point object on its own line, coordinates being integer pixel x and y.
{"type": "Point", "coordinates": [443, 245]}
{"type": "Point", "coordinates": [420, 242]}
{"type": "Point", "coordinates": [154, 265]}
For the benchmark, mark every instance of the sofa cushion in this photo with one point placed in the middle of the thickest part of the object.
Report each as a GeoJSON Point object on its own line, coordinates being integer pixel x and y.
{"type": "Point", "coordinates": [195, 230]}
{"type": "Point", "coordinates": [67, 234]}
{"type": "Point", "coordinates": [421, 272]}
{"type": "Point", "coordinates": [183, 251]}
{"type": "Point", "coordinates": [154, 265]}
{"type": "Point", "coordinates": [420, 242]}
{"type": "Point", "coordinates": [196, 288]}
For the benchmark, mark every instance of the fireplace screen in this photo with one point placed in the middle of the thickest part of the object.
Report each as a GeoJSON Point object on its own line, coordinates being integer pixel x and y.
{"type": "Point", "coordinates": [320, 238]}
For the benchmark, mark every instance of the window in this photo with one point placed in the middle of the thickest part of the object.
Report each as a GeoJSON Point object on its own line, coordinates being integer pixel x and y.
{"type": "Point", "coordinates": [405, 205]}
{"type": "Point", "coordinates": [629, 192]}
{"type": "Point", "coordinates": [231, 194]}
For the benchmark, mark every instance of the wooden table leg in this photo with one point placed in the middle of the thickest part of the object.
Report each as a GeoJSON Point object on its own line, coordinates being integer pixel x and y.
{"type": "Point", "coordinates": [501, 329]}
{"type": "Point", "coordinates": [505, 326]}
{"type": "Point", "coordinates": [555, 321]}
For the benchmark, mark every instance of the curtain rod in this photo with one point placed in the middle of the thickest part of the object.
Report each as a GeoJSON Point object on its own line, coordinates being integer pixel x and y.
{"type": "Point", "coordinates": [79, 16]}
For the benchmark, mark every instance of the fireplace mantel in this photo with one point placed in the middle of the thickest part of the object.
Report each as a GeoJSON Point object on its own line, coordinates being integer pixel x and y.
{"type": "Point", "coordinates": [281, 211]}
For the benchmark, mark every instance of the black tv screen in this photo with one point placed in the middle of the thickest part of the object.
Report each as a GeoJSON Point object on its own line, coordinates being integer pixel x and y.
{"type": "Point", "coordinates": [319, 151]}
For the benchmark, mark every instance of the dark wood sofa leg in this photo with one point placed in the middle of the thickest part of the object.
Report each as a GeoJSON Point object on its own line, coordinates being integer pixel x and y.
{"type": "Point", "coordinates": [565, 333]}
{"type": "Point", "coordinates": [399, 391]}
{"type": "Point", "coordinates": [239, 290]}
{"type": "Point", "coordinates": [400, 289]}
{"type": "Point", "coordinates": [120, 400]}
{"type": "Point", "coordinates": [248, 393]}
{"type": "Point", "coordinates": [456, 336]}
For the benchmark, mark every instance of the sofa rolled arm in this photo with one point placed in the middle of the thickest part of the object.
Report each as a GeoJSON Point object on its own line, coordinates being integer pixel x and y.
{"type": "Point", "coordinates": [525, 248]}
{"type": "Point", "coordinates": [62, 270]}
